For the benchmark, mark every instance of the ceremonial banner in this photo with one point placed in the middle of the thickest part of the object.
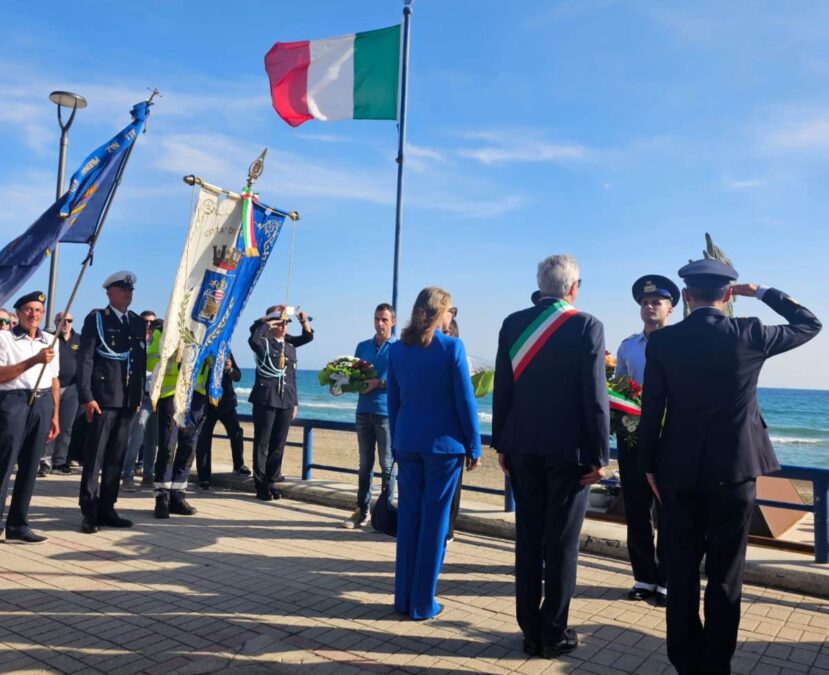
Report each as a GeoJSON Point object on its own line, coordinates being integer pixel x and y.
{"type": "Point", "coordinates": [74, 218]}
{"type": "Point", "coordinates": [212, 286]}
{"type": "Point", "coordinates": [352, 76]}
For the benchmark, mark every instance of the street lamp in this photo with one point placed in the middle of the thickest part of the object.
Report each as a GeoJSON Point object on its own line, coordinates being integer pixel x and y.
{"type": "Point", "coordinates": [62, 99]}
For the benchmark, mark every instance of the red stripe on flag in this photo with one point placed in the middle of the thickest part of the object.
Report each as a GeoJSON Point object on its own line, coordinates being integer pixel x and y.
{"type": "Point", "coordinates": [287, 67]}
{"type": "Point", "coordinates": [552, 328]}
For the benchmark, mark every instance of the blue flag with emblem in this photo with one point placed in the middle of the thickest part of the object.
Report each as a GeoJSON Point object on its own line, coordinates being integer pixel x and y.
{"type": "Point", "coordinates": [75, 217]}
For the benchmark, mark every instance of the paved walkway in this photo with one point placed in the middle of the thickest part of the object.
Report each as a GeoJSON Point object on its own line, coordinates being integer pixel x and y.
{"type": "Point", "coordinates": [258, 587]}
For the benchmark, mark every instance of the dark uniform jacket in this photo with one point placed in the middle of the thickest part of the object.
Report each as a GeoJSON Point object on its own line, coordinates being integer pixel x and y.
{"type": "Point", "coordinates": [558, 407]}
{"type": "Point", "coordinates": [229, 400]}
{"type": "Point", "coordinates": [266, 390]}
{"type": "Point", "coordinates": [112, 383]}
{"type": "Point", "coordinates": [704, 370]}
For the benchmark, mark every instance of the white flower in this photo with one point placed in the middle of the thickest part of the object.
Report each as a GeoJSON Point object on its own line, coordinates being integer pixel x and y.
{"type": "Point", "coordinates": [630, 423]}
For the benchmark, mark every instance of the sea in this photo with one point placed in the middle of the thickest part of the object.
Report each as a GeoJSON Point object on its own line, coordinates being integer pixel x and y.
{"type": "Point", "coordinates": [798, 419]}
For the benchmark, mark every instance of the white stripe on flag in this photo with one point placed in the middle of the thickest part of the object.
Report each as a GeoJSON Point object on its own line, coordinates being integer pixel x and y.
{"type": "Point", "coordinates": [331, 78]}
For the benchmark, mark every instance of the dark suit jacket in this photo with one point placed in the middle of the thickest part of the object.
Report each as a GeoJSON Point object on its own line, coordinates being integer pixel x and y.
{"type": "Point", "coordinates": [265, 389]}
{"type": "Point", "coordinates": [559, 406]}
{"type": "Point", "coordinates": [112, 384]}
{"type": "Point", "coordinates": [704, 370]}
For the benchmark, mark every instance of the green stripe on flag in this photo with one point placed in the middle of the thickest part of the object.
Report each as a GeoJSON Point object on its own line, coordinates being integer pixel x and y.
{"type": "Point", "coordinates": [529, 330]}
{"type": "Point", "coordinates": [376, 74]}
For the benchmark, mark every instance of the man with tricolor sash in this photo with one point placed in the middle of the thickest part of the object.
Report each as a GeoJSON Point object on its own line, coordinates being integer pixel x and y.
{"type": "Point", "coordinates": [656, 296]}
{"type": "Point", "coordinates": [550, 427]}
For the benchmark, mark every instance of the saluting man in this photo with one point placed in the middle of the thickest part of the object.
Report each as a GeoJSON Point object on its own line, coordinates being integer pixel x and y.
{"type": "Point", "coordinates": [656, 296]}
{"type": "Point", "coordinates": [701, 377]}
{"type": "Point", "coordinates": [24, 428]}
{"type": "Point", "coordinates": [274, 395]}
{"type": "Point", "coordinates": [111, 371]}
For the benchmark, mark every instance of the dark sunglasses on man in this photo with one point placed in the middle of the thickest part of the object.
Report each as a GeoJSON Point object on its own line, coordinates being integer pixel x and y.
{"type": "Point", "coordinates": [5, 322]}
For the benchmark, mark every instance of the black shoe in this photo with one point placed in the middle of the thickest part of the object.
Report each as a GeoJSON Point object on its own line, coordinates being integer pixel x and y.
{"type": "Point", "coordinates": [275, 494]}
{"type": "Point", "coordinates": [44, 470]}
{"type": "Point", "coordinates": [162, 507]}
{"type": "Point", "coordinates": [204, 485]}
{"type": "Point", "coordinates": [566, 643]}
{"type": "Point", "coordinates": [264, 496]}
{"type": "Point", "coordinates": [24, 537]}
{"type": "Point", "coordinates": [112, 519]}
{"type": "Point", "coordinates": [636, 593]}
{"type": "Point", "coordinates": [531, 647]}
{"type": "Point", "coordinates": [661, 598]}
{"type": "Point", "coordinates": [89, 526]}
{"type": "Point", "coordinates": [242, 471]}
{"type": "Point", "coordinates": [63, 468]}
{"type": "Point", "coordinates": [181, 507]}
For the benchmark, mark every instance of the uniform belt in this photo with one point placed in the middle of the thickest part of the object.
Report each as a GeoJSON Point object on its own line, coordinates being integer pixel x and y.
{"type": "Point", "coordinates": [25, 392]}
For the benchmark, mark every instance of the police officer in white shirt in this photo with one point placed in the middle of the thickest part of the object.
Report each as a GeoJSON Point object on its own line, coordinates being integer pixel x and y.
{"type": "Point", "coordinates": [656, 296]}
{"type": "Point", "coordinates": [25, 428]}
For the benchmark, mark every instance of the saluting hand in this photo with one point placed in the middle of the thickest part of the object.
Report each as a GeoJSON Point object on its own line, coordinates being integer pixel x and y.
{"type": "Point", "coordinates": [91, 409]}
{"type": "Point", "coordinates": [748, 290]}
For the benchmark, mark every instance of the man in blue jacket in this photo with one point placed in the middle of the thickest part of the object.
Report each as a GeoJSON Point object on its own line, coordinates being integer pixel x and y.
{"type": "Point", "coordinates": [703, 443]}
{"type": "Point", "coordinates": [551, 427]}
{"type": "Point", "coordinates": [373, 414]}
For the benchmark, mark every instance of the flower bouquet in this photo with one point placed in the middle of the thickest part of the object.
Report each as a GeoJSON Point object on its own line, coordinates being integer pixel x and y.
{"type": "Point", "coordinates": [346, 374]}
{"type": "Point", "coordinates": [609, 365]}
{"type": "Point", "coordinates": [625, 407]}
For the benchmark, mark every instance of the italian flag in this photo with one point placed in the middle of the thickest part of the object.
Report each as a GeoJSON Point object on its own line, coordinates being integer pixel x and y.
{"type": "Point", "coordinates": [342, 78]}
{"type": "Point", "coordinates": [622, 404]}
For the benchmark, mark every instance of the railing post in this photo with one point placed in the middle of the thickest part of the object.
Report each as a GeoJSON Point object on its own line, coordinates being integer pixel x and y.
{"type": "Point", "coordinates": [307, 451]}
{"type": "Point", "coordinates": [821, 501]}
{"type": "Point", "coordinates": [509, 500]}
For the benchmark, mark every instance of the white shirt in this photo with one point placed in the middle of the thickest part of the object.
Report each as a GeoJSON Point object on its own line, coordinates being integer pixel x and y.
{"type": "Point", "coordinates": [17, 346]}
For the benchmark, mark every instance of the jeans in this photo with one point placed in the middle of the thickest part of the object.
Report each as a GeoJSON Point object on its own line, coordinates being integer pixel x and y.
{"type": "Point", "coordinates": [143, 433]}
{"type": "Point", "coordinates": [56, 452]}
{"type": "Point", "coordinates": [373, 430]}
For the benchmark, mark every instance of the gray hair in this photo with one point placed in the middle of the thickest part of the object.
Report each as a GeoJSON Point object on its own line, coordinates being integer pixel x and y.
{"type": "Point", "coordinates": [557, 274]}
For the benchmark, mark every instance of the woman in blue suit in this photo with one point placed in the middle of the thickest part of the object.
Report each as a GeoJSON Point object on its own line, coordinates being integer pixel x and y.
{"type": "Point", "coordinates": [433, 420]}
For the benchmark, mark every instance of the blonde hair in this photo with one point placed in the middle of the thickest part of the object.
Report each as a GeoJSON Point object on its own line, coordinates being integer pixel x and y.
{"type": "Point", "coordinates": [427, 314]}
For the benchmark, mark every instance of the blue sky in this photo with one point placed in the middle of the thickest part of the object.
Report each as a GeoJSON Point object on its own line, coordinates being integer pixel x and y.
{"type": "Point", "coordinates": [619, 132]}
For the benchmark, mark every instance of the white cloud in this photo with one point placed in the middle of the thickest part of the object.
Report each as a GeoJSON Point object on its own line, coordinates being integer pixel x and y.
{"type": "Point", "coordinates": [730, 184]}
{"type": "Point", "coordinates": [809, 135]}
{"type": "Point", "coordinates": [525, 151]}
{"type": "Point", "coordinates": [420, 158]}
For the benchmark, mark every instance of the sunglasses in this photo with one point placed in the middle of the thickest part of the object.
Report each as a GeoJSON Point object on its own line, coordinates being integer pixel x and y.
{"type": "Point", "coordinates": [453, 311]}
{"type": "Point", "coordinates": [67, 321]}
{"type": "Point", "coordinates": [5, 322]}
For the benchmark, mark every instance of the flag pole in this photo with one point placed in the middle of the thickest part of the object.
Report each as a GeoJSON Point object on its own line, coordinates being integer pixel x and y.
{"type": "Point", "coordinates": [404, 78]}
{"type": "Point", "coordinates": [88, 260]}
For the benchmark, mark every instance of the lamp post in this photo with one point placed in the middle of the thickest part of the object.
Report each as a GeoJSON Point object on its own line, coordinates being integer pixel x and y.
{"type": "Point", "coordinates": [62, 99]}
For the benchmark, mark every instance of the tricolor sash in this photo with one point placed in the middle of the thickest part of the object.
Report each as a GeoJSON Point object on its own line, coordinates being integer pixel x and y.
{"type": "Point", "coordinates": [622, 404]}
{"type": "Point", "coordinates": [537, 333]}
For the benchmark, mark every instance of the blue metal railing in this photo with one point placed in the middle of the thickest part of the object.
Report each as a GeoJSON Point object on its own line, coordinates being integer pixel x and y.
{"type": "Point", "coordinates": [819, 478]}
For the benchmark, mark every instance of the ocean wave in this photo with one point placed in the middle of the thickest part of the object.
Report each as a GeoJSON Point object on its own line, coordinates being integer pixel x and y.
{"type": "Point", "coordinates": [484, 417]}
{"type": "Point", "coordinates": [788, 440]}
{"type": "Point", "coordinates": [328, 406]}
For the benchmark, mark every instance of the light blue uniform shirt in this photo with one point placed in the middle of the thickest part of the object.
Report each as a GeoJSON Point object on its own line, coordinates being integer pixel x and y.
{"type": "Point", "coordinates": [630, 358]}
{"type": "Point", "coordinates": [375, 402]}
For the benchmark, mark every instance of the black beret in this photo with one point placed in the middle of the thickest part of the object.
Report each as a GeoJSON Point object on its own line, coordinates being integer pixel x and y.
{"type": "Point", "coordinates": [34, 296]}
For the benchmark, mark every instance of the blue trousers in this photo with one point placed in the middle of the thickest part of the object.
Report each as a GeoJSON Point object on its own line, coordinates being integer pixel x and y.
{"type": "Point", "coordinates": [373, 431]}
{"type": "Point", "coordinates": [425, 487]}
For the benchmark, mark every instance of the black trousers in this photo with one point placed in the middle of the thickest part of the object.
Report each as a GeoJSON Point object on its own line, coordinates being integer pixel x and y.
{"type": "Point", "coordinates": [270, 431]}
{"type": "Point", "coordinates": [176, 447]}
{"type": "Point", "coordinates": [23, 431]}
{"type": "Point", "coordinates": [204, 450]}
{"type": "Point", "coordinates": [549, 510]}
{"type": "Point", "coordinates": [642, 511]}
{"type": "Point", "coordinates": [713, 522]}
{"type": "Point", "coordinates": [103, 460]}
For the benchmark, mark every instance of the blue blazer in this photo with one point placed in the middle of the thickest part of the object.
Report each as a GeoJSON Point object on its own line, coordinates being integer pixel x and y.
{"type": "Point", "coordinates": [432, 407]}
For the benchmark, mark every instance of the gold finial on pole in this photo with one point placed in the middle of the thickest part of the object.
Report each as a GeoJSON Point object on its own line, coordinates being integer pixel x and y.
{"type": "Point", "coordinates": [256, 168]}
